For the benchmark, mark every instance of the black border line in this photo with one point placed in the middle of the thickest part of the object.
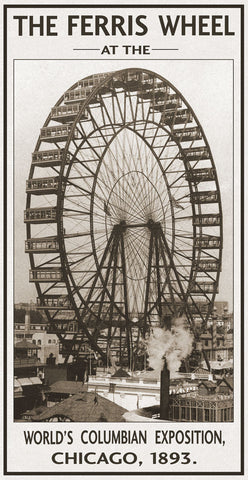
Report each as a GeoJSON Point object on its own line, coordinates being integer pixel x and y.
{"type": "Point", "coordinates": [242, 206]}
{"type": "Point", "coordinates": [111, 5]}
{"type": "Point", "coordinates": [40, 6]}
{"type": "Point", "coordinates": [5, 240]}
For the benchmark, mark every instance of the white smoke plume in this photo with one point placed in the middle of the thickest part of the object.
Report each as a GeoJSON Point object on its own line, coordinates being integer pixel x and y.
{"type": "Point", "coordinates": [171, 345]}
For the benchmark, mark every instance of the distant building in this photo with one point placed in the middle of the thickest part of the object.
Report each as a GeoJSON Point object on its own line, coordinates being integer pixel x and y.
{"type": "Point", "coordinates": [135, 391]}
{"type": "Point", "coordinates": [34, 351]}
{"type": "Point", "coordinates": [217, 340]}
{"type": "Point", "coordinates": [31, 325]}
{"type": "Point", "coordinates": [220, 307]}
{"type": "Point", "coordinates": [213, 402]}
{"type": "Point", "coordinates": [218, 349]}
{"type": "Point", "coordinates": [28, 377]}
{"type": "Point", "coordinates": [222, 316]}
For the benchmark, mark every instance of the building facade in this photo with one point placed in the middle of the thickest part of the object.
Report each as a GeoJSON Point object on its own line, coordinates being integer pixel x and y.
{"type": "Point", "coordinates": [31, 325]}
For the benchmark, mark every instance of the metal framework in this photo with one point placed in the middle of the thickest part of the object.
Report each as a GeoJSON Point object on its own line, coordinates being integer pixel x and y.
{"type": "Point", "coordinates": [123, 214]}
{"type": "Point", "coordinates": [196, 408]}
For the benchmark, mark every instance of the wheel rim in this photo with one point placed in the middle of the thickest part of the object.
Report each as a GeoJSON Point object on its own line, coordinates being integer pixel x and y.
{"type": "Point", "coordinates": [135, 163]}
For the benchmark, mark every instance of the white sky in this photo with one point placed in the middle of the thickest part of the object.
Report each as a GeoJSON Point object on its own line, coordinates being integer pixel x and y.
{"type": "Point", "coordinates": [205, 84]}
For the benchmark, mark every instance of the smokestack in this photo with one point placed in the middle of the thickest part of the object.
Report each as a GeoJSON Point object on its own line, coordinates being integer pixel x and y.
{"type": "Point", "coordinates": [27, 319]}
{"type": "Point", "coordinates": [165, 382]}
{"type": "Point", "coordinates": [166, 349]}
{"type": "Point", "coordinates": [164, 392]}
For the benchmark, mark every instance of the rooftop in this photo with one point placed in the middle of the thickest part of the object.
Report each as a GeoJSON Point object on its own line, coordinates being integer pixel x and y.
{"type": "Point", "coordinates": [84, 407]}
{"type": "Point", "coordinates": [24, 344]}
{"type": "Point", "coordinates": [120, 373]}
{"type": "Point", "coordinates": [67, 386]}
{"type": "Point", "coordinates": [208, 383]}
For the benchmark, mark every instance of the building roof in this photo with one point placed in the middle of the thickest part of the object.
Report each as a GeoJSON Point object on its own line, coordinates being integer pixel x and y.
{"type": "Point", "coordinates": [120, 373]}
{"type": "Point", "coordinates": [27, 381]}
{"type": "Point", "coordinates": [84, 407]}
{"type": "Point", "coordinates": [35, 411]}
{"type": "Point", "coordinates": [200, 370]}
{"type": "Point", "coordinates": [67, 386]}
{"type": "Point", "coordinates": [228, 381]}
{"type": "Point", "coordinates": [208, 384]}
{"type": "Point", "coordinates": [222, 365]}
{"type": "Point", "coordinates": [24, 344]}
{"type": "Point", "coordinates": [150, 374]}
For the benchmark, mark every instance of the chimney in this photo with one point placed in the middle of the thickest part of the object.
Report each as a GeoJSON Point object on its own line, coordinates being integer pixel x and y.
{"type": "Point", "coordinates": [27, 319]}
{"type": "Point", "coordinates": [164, 392]}
{"type": "Point", "coordinates": [165, 380]}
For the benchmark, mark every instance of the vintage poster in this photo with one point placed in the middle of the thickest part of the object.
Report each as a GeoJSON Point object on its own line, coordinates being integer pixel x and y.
{"type": "Point", "coordinates": [124, 283]}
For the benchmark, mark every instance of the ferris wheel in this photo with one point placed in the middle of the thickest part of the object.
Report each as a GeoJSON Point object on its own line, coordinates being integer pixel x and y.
{"type": "Point", "coordinates": [123, 214]}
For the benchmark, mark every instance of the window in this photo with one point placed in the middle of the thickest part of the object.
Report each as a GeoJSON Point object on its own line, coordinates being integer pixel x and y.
{"type": "Point", "coordinates": [176, 412]}
{"type": "Point", "coordinates": [212, 416]}
{"type": "Point", "coordinates": [38, 342]}
{"type": "Point", "coordinates": [200, 415]}
{"type": "Point", "coordinates": [193, 414]}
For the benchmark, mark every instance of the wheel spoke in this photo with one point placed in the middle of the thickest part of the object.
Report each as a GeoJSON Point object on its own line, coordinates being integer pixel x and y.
{"type": "Point", "coordinates": [126, 221]}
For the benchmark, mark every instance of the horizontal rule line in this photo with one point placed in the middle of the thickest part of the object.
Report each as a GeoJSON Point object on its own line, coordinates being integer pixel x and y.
{"type": "Point", "coordinates": [165, 48]}
{"type": "Point", "coordinates": [86, 49]}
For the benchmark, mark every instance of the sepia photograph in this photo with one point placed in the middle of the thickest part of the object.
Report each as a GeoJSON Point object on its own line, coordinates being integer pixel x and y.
{"type": "Point", "coordinates": [123, 306]}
